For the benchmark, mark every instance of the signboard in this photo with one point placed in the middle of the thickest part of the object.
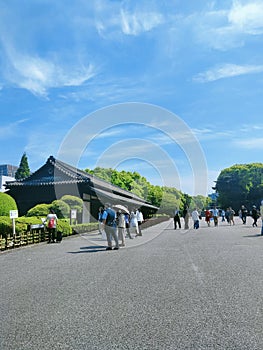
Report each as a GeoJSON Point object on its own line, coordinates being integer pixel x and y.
{"type": "Point", "coordinates": [73, 213]}
{"type": "Point", "coordinates": [13, 214]}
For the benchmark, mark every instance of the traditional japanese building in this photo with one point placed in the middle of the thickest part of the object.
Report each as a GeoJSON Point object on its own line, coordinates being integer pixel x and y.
{"type": "Point", "coordinates": [56, 178]}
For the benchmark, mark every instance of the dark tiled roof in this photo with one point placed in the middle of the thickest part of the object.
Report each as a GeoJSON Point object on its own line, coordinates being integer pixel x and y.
{"type": "Point", "coordinates": [56, 172]}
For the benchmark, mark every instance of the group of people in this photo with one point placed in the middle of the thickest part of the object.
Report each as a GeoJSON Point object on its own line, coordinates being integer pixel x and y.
{"type": "Point", "coordinates": [116, 223]}
{"type": "Point", "coordinates": [213, 214]}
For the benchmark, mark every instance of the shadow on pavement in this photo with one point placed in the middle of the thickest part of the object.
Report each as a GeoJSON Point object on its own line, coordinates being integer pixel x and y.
{"type": "Point", "coordinates": [253, 236]}
{"type": "Point", "coordinates": [90, 249]}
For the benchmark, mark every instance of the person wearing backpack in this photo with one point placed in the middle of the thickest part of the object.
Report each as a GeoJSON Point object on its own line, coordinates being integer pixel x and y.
{"type": "Point", "coordinates": [110, 226]}
{"type": "Point", "coordinates": [51, 221]}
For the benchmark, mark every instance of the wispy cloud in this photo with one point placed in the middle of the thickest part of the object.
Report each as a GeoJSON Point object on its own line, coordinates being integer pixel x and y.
{"type": "Point", "coordinates": [252, 143]}
{"type": "Point", "coordinates": [227, 71]}
{"type": "Point", "coordinates": [135, 23]}
{"type": "Point", "coordinates": [9, 130]}
{"type": "Point", "coordinates": [38, 75]}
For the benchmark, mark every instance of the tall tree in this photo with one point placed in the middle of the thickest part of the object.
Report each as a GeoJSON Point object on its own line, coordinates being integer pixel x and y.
{"type": "Point", "coordinates": [240, 184]}
{"type": "Point", "coordinates": [23, 170]}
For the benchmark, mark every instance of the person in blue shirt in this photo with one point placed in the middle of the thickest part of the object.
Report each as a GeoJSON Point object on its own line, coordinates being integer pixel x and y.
{"type": "Point", "coordinates": [110, 226]}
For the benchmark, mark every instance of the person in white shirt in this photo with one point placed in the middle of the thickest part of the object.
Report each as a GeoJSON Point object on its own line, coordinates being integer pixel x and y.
{"type": "Point", "coordinates": [195, 217]}
{"type": "Point", "coordinates": [139, 217]}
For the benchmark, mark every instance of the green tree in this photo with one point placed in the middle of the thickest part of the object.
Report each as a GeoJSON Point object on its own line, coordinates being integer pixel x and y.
{"type": "Point", "coordinates": [23, 170]}
{"type": "Point", "coordinates": [240, 184]}
{"type": "Point", "coordinates": [7, 203]}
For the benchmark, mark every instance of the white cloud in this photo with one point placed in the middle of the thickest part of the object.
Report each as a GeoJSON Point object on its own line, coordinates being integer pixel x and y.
{"type": "Point", "coordinates": [37, 74]}
{"type": "Point", "coordinates": [227, 71]}
{"type": "Point", "coordinates": [247, 18]}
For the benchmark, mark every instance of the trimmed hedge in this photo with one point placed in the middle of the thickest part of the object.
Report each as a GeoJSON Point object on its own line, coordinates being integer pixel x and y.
{"type": "Point", "coordinates": [23, 225]}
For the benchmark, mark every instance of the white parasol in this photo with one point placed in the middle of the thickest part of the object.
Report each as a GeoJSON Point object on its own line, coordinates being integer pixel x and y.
{"type": "Point", "coordinates": [121, 207]}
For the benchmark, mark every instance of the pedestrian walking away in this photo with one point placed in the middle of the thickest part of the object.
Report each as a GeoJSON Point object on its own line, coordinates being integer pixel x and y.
{"type": "Point", "coordinates": [110, 226]}
{"type": "Point", "coordinates": [177, 219]}
{"type": "Point", "coordinates": [195, 217]}
{"type": "Point", "coordinates": [243, 214]}
{"type": "Point", "coordinates": [255, 215]}
{"type": "Point", "coordinates": [121, 227]}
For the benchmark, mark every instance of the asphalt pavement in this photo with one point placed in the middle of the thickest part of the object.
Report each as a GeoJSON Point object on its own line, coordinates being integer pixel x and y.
{"type": "Point", "coordinates": [169, 289]}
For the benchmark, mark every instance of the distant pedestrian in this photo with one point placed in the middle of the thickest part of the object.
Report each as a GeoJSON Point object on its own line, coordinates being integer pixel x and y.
{"type": "Point", "coordinates": [134, 223]}
{"type": "Point", "coordinates": [243, 214]}
{"type": "Point", "coordinates": [208, 216]}
{"type": "Point", "coordinates": [195, 217]}
{"type": "Point", "coordinates": [121, 227]}
{"type": "Point", "coordinates": [231, 216]}
{"type": "Point", "coordinates": [139, 217]}
{"type": "Point", "coordinates": [101, 210]}
{"type": "Point", "coordinates": [51, 221]}
{"type": "Point", "coordinates": [254, 215]}
{"type": "Point", "coordinates": [177, 219]}
{"type": "Point", "coordinates": [215, 214]}
{"type": "Point", "coordinates": [110, 227]}
{"type": "Point", "coordinates": [127, 225]}
{"type": "Point", "coordinates": [223, 214]}
{"type": "Point", "coordinates": [261, 214]}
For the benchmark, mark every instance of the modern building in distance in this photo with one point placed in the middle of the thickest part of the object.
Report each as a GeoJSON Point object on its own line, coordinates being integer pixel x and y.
{"type": "Point", "coordinates": [7, 173]}
{"type": "Point", "coordinates": [8, 170]}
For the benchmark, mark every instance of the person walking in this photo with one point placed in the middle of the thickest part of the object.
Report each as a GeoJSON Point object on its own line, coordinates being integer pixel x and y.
{"type": "Point", "coordinates": [261, 214]}
{"type": "Point", "coordinates": [177, 219]}
{"type": "Point", "coordinates": [121, 227]}
{"type": "Point", "coordinates": [254, 215]}
{"type": "Point", "coordinates": [51, 221]}
{"type": "Point", "coordinates": [127, 225]}
{"type": "Point", "coordinates": [215, 214]}
{"type": "Point", "coordinates": [134, 223]}
{"type": "Point", "coordinates": [101, 210]}
{"type": "Point", "coordinates": [231, 216]}
{"type": "Point", "coordinates": [195, 217]}
{"type": "Point", "coordinates": [208, 216]}
{"type": "Point", "coordinates": [139, 217]}
{"type": "Point", "coordinates": [243, 214]}
{"type": "Point", "coordinates": [110, 227]}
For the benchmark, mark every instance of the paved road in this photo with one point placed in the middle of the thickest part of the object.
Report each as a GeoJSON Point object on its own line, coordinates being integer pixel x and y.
{"type": "Point", "coordinates": [195, 289]}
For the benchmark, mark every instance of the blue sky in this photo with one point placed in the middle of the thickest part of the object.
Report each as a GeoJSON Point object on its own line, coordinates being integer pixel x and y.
{"type": "Point", "coordinates": [63, 63]}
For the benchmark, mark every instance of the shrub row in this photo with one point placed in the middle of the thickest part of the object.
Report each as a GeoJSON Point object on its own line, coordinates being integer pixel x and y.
{"type": "Point", "coordinates": [22, 225]}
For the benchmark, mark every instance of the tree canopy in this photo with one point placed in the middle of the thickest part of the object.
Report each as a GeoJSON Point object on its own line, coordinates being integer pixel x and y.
{"type": "Point", "coordinates": [241, 184]}
{"type": "Point", "coordinates": [166, 198]}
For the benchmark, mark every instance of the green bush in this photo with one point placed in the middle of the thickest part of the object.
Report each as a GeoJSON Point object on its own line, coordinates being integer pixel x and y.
{"type": "Point", "coordinates": [39, 210]}
{"type": "Point", "coordinates": [61, 208]}
{"type": "Point", "coordinates": [21, 224]}
{"type": "Point", "coordinates": [64, 227]}
{"type": "Point", "coordinates": [7, 203]}
{"type": "Point", "coordinates": [73, 202]}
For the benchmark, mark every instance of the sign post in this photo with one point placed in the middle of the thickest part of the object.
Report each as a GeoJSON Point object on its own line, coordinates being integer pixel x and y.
{"type": "Point", "coordinates": [73, 215]}
{"type": "Point", "coordinates": [13, 215]}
